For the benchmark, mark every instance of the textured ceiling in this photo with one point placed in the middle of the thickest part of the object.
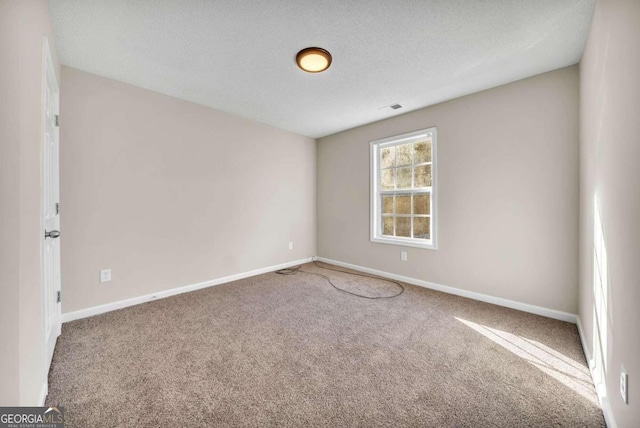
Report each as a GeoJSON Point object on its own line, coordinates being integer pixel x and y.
{"type": "Point", "coordinates": [239, 56]}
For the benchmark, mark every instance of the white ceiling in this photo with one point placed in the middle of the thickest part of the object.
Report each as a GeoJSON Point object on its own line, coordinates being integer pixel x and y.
{"type": "Point", "coordinates": [239, 56]}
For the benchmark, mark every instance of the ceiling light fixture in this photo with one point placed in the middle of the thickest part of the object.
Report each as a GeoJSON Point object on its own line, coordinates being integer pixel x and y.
{"type": "Point", "coordinates": [313, 60]}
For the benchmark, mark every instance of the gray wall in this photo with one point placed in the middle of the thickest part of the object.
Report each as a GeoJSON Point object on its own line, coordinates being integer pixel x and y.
{"type": "Point", "coordinates": [167, 193]}
{"type": "Point", "coordinates": [610, 175]}
{"type": "Point", "coordinates": [9, 199]}
{"type": "Point", "coordinates": [508, 193]}
{"type": "Point", "coordinates": [23, 24]}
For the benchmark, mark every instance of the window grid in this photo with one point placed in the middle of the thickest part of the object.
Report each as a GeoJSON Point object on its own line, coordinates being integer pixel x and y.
{"type": "Point", "coordinates": [427, 239]}
{"type": "Point", "coordinates": [407, 191]}
{"type": "Point", "coordinates": [394, 214]}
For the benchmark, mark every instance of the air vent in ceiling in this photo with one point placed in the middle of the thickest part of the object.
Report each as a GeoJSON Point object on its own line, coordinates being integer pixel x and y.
{"type": "Point", "coordinates": [392, 106]}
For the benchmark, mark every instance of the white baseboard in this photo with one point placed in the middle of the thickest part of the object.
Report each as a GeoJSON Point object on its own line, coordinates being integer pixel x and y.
{"type": "Point", "coordinates": [96, 310]}
{"type": "Point", "coordinates": [538, 310]}
{"type": "Point", "coordinates": [604, 401]}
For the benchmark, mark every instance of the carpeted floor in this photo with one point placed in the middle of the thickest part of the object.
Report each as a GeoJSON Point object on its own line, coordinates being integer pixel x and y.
{"type": "Point", "coordinates": [292, 351]}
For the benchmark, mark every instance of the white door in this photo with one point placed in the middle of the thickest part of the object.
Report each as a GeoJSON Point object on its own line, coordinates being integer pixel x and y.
{"type": "Point", "coordinates": [51, 214]}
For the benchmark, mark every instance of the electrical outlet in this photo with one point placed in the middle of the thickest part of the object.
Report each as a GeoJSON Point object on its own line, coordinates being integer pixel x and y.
{"type": "Point", "coordinates": [624, 385]}
{"type": "Point", "coordinates": [291, 245]}
{"type": "Point", "coordinates": [105, 275]}
{"type": "Point", "coordinates": [403, 256]}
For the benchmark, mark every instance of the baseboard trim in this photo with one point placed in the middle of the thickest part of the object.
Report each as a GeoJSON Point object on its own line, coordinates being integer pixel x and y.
{"type": "Point", "coordinates": [101, 309]}
{"type": "Point", "coordinates": [602, 399]}
{"type": "Point", "coordinates": [538, 310]}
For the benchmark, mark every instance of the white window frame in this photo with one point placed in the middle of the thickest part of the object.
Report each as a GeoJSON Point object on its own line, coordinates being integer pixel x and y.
{"type": "Point", "coordinates": [377, 193]}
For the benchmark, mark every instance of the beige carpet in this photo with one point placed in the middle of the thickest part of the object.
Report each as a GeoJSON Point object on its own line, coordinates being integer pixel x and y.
{"type": "Point", "coordinates": [292, 351]}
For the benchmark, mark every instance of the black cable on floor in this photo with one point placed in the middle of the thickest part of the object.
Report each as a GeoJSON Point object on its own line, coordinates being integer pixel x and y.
{"type": "Point", "coordinates": [297, 269]}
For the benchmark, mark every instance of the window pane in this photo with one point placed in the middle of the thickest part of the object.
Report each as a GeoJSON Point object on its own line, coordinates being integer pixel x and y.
{"type": "Point", "coordinates": [423, 176]}
{"type": "Point", "coordinates": [387, 157]}
{"type": "Point", "coordinates": [403, 204]}
{"type": "Point", "coordinates": [386, 179]}
{"type": "Point", "coordinates": [422, 204]}
{"type": "Point", "coordinates": [422, 151]}
{"type": "Point", "coordinates": [404, 178]}
{"type": "Point", "coordinates": [387, 225]}
{"type": "Point", "coordinates": [403, 226]}
{"type": "Point", "coordinates": [387, 204]}
{"type": "Point", "coordinates": [403, 152]}
{"type": "Point", "coordinates": [421, 227]}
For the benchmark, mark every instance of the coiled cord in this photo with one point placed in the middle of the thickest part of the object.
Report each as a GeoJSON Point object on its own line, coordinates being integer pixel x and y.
{"type": "Point", "coordinates": [298, 269]}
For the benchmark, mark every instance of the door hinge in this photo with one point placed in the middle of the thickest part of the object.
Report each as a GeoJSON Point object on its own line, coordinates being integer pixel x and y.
{"type": "Point", "coordinates": [58, 297]}
{"type": "Point", "coordinates": [57, 207]}
{"type": "Point", "coordinates": [57, 120]}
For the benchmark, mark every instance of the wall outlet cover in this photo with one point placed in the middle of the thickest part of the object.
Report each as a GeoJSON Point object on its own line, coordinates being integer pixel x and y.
{"type": "Point", "coordinates": [105, 275]}
{"type": "Point", "coordinates": [624, 385]}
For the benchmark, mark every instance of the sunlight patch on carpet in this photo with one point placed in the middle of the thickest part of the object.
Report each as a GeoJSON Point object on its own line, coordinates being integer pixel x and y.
{"type": "Point", "coordinates": [565, 370]}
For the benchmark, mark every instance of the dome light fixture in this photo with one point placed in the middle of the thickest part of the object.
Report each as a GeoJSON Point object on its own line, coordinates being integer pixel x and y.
{"type": "Point", "coordinates": [313, 60]}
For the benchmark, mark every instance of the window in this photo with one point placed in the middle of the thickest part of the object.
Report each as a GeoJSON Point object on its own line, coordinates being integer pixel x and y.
{"type": "Point", "coordinates": [403, 189]}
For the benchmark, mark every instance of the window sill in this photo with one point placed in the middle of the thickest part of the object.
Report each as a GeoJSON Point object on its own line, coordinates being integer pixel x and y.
{"type": "Point", "coordinates": [405, 242]}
